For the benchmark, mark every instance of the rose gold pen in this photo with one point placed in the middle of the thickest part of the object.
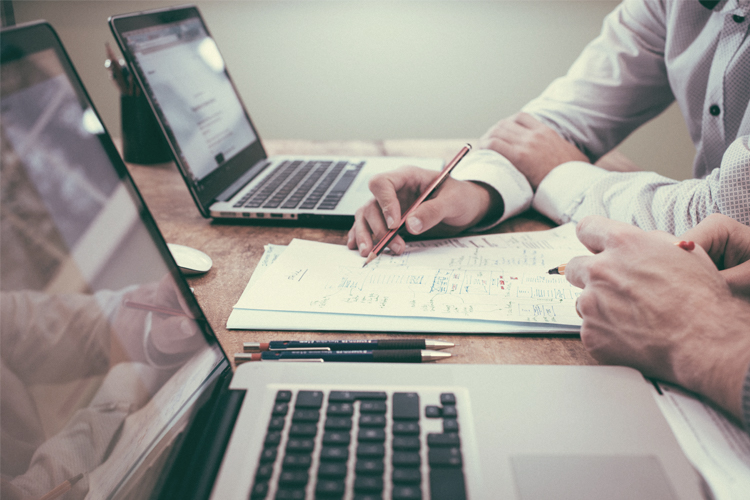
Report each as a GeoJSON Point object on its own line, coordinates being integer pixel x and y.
{"type": "Point", "coordinates": [434, 185]}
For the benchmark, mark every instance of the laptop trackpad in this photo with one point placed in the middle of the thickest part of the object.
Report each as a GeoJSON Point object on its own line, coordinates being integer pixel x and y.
{"type": "Point", "coordinates": [562, 477]}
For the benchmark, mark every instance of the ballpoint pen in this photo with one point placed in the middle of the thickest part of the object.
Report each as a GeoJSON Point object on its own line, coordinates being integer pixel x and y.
{"type": "Point", "coordinates": [383, 356]}
{"type": "Point", "coordinates": [345, 345]}
{"type": "Point", "coordinates": [434, 185]}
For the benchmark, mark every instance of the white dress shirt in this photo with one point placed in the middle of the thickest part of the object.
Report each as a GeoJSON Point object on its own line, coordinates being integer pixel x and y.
{"type": "Point", "coordinates": [649, 54]}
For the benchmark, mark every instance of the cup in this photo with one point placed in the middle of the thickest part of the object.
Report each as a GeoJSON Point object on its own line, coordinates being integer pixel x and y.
{"type": "Point", "coordinates": [142, 139]}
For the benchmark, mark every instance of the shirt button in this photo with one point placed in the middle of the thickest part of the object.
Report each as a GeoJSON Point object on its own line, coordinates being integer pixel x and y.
{"type": "Point", "coordinates": [714, 110]}
{"type": "Point", "coordinates": [738, 19]}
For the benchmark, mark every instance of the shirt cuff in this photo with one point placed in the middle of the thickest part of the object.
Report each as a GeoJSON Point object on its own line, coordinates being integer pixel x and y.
{"type": "Point", "coordinates": [562, 190]}
{"type": "Point", "coordinates": [494, 170]}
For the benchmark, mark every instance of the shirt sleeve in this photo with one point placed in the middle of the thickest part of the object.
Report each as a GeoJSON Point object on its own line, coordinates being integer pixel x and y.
{"type": "Point", "coordinates": [491, 168]}
{"type": "Point", "coordinates": [574, 190]}
{"type": "Point", "coordinates": [618, 82]}
{"type": "Point", "coordinates": [45, 336]}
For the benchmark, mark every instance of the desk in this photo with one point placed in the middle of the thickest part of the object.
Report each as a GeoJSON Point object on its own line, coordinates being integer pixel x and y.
{"type": "Point", "coordinates": [237, 248]}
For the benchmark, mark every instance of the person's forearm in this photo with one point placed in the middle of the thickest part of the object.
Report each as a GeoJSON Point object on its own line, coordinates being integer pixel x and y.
{"type": "Point", "coordinates": [719, 370]}
{"type": "Point", "coordinates": [617, 83]}
{"type": "Point", "coordinates": [645, 199]}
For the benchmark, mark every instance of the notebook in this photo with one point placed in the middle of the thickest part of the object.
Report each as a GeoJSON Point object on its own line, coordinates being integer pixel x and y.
{"type": "Point", "coordinates": [114, 384]}
{"type": "Point", "coordinates": [214, 142]}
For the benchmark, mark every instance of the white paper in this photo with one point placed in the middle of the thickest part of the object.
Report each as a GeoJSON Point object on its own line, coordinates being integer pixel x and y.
{"type": "Point", "coordinates": [716, 446]}
{"type": "Point", "coordinates": [475, 280]}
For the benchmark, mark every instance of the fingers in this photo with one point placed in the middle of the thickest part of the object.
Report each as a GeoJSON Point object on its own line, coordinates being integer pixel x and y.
{"type": "Point", "coordinates": [369, 227]}
{"type": "Point", "coordinates": [738, 279]}
{"type": "Point", "coordinates": [391, 192]}
{"type": "Point", "coordinates": [577, 271]}
{"type": "Point", "coordinates": [598, 233]}
{"type": "Point", "coordinates": [396, 191]}
{"type": "Point", "coordinates": [726, 240]}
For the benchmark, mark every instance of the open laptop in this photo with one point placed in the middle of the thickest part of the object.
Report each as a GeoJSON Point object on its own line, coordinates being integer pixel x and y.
{"type": "Point", "coordinates": [214, 142]}
{"type": "Point", "coordinates": [114, 385]}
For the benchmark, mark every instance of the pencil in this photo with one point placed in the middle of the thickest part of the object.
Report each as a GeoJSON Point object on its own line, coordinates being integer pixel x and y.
{"type": "Point", "coordinates": [427, 192]}
{"type": "Point", "coordinates": [685, 245]}
{"type": "Point", "coordinates": [558, 270]}
{"type": "Point", "coordinates": [62, 488]}
{"type": "Point", "coordinates": [157, 309]}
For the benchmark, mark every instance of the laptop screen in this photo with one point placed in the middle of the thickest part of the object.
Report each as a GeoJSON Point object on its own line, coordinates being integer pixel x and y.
{"type": "Point", "coordinates": [103, 347]}
{"type": "Point", "coordinates": [201, 109]}
{"type": "Point", "coordinates": [183, 75]}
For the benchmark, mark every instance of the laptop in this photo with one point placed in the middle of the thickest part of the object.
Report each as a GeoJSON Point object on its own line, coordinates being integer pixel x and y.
{"type": "Point", "coordinates": [115, 386]}
{"type": "Point", "coordinates": [214, 142]}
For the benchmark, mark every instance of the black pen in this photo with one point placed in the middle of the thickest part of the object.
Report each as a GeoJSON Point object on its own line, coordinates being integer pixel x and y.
{"type": "Point", "coordinates": [382, 356]}
{"type": "Point", "coordinates": [344, 345]}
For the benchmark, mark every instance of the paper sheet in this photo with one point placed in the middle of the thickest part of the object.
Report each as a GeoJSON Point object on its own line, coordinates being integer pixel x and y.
{"type": "Point", "coordinates": [716, 446]}
{"type": "Point", "coordinates": [476, 280]}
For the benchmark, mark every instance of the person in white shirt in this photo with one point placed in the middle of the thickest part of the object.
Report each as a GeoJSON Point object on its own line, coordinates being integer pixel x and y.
{"type": "Point", "coordinates": [649, 54]}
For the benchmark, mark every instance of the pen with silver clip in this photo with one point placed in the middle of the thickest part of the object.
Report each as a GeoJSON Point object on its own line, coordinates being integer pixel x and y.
{"type": "Point", "coordinates": [382, 356]}
{"type": "Point", "coordinates": [344, 345]}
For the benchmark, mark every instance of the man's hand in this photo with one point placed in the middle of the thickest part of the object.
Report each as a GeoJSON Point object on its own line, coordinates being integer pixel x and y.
{"type": "Point", "coordinates": [532, 147]}
{"type": "Point", "coordinates": [455, 206]}
{"type": "Point", "coordinates": [667, 312]}
{"type": "Point", "coordinates": [727, 242]}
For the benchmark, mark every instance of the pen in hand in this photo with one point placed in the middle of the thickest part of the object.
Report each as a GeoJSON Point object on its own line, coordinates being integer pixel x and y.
{"type": "Point", "coordinates": [685, 245]}
{"type": "Point", "coordinates": [434, 185]}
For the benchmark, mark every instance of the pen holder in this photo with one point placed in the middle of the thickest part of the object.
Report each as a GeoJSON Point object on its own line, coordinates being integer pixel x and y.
{"type": "Point", "coordinates": [142, 140]}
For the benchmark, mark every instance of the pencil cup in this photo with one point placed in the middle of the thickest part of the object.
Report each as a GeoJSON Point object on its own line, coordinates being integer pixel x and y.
{"type": "Point", "coordinates": [142, 139]}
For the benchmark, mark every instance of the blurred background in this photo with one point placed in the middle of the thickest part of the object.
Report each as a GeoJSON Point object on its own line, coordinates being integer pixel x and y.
{"type": "Point", "coordinates": [369, 70]}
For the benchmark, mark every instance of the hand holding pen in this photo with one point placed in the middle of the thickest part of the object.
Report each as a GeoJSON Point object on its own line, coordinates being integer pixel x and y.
{"type": "Point", "coordinates": [456, 206]}
{"type": "Point", "coordinates": [429, 191]}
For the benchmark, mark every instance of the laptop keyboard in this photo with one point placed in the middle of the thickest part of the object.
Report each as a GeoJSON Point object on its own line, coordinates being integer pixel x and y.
{"type": "Point", "coordinates": [302, 184]}
{"type": "Point", "coordinates": [359, 445]}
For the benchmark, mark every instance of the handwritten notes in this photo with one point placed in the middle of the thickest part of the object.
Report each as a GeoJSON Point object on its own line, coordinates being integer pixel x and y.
{"type": "Point", "coordinates": [499, 277]}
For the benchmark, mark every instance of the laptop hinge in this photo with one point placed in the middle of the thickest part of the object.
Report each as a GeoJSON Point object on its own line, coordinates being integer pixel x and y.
{"type": "Point", "coordinates": [240, 183]}
{"type": "Point", "coordinates": [194, 470]}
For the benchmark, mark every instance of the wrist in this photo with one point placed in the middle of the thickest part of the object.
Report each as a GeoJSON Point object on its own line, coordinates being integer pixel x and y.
{"type": "Point", "coordinates": [490, 203]}
{"type": "Point", "coordinates": [719, 362]}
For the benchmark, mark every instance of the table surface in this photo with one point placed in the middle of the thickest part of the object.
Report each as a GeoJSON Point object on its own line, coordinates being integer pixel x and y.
{"type": "Point", "coordinates": [237, 248]}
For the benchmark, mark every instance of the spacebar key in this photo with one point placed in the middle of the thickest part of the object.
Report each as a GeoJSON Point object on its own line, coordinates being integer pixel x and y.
{"type": "Point", "coordinates": [447, 483]}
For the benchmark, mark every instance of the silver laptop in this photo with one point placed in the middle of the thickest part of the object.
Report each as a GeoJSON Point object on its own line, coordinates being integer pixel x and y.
{"type": "Point", "coordinates": [214, 142]}
{"type": "Point", "coordinates": [114, 385]}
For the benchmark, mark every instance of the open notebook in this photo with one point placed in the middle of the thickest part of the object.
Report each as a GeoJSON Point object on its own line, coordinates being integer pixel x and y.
{"type": "Point", "coordinates": [114, 385]}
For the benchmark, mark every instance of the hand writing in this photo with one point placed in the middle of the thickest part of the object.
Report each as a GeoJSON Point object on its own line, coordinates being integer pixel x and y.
{"type": "Point", "coordinates": [455, 206]}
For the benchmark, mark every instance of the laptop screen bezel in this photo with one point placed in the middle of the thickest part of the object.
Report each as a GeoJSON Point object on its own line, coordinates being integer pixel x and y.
{"type": "Point", "coordinates": [204, 191]}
